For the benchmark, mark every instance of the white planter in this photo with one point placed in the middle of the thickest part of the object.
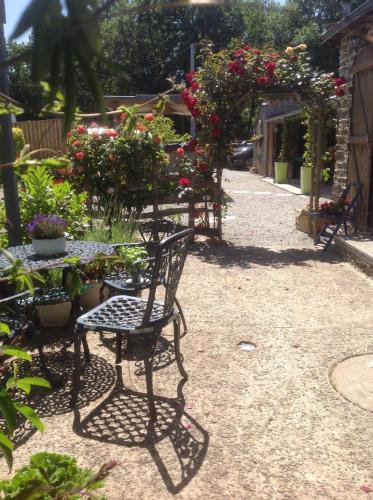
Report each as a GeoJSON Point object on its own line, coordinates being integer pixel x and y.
{"type": "Point", "coordinates": [54, 315]}
{"type": "Point", "coordinates": [49, 247]}
{"type": "Point", "coordinates": [90, 298]}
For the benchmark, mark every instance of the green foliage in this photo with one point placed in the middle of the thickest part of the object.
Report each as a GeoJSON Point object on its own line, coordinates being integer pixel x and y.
{"type": "Point", "coordinates": [165, 129]}
{"type": "Point", "coordinates": [132, 258]}
{"type": "Point", "coordinates": [19, 140]}
{"type": "Point", "coordinates": [9, 407]}
{"type": "Point", "coordinates": [116, 165]}
{"type": "Point", "coordinates": [41, 195]}
{"type": "Point", "coordinates": [50, 476]}
{"type": "Point", "coordinates": [22, 88]}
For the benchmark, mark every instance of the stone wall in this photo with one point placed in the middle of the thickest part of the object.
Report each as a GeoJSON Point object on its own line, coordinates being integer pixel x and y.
{"type": "Point", "coordinates": [346, 61]}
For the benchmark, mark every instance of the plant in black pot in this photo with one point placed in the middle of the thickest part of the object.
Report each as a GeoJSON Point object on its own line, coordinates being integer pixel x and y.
{"type": "Point", "coordinates": [133, 260]}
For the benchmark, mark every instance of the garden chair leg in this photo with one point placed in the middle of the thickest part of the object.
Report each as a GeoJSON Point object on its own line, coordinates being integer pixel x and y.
{"type": "Point", "coordinates": [101, 293]}
{"type": "Point", "coordinates": [177, 303]}
{"type": "Point", "coordinates": [148, 365]}
{"type": "Point", "coordinates": [87, 354]}
{"type": "Point", "coordinates": [76, 375]}
{"type": "Point", "coordinates": [118, 358]}
{"type": "Point", "coordinates": [178, 356]}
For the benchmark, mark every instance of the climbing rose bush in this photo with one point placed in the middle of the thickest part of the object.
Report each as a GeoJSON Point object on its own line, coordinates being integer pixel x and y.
{"type": "Point", "coordinates": [229, 79]}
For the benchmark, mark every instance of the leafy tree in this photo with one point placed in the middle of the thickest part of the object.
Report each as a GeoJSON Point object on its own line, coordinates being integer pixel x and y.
{"type": "Point", "coordinates": [22, 88]}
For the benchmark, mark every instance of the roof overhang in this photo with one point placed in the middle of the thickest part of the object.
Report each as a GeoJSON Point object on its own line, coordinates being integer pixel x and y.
{"type": "Point", "coordinates": [349, 23]}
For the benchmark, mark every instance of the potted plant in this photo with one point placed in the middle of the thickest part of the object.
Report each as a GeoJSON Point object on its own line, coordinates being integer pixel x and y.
{"type": "Point", "coordinates": [329, 210]}
{"type": "Point", "coordinates": [305, 178]}
{"type": "Point", "coordinates": [93, 274]}
{"type": "Point", "coordinates": [281, 167]}
{"type": "Point", "coordinates": [132, 259]}
{"type": "Point", "coordinates": [54, 304]}
{"type": "Point", "coordinates": [48, 234]}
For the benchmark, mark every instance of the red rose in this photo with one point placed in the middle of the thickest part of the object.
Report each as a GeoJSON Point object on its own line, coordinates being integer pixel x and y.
{"type": "Point", "coordinates": [257, 52]}
{"type": "Point", "coordinates": [203, 167]}
{"type": "Point", "coordinates": [123, 117]}
{"type": "Point", "coordinates": [185, 94]}
{"type": "Point", "coordinates": [180, 152]}
{"type": "Point", "coordinates": [216, 132]}
{"type": "Point", "coordinates": [195, 112]}
{"type": "Point", "coordinates": [263, 80]}
{"type": "Point", "coordinates": [183, 181]}
{"type": "Point", "coordinates": [270, 67]}
{"type": "Point", "coordinates": [149, 117]}
{"type": "Point", "coordinates": [68, 135]}
{"type": "Point", "coordinates": [216, 206]}
{"type": "Point", "coordinates": [112, 158]}
{"type": "Point", "coordinates": [192, 144]}
{"type": "Point", "coordinates": [110, 133]}
{"type": "Point", "coordinates": [339, 81]}
{"type": "Point", "coordinates": [189, 77]}
{"type": "Point", "coordinates": [239, 52]}
{"type": "Point", "coordinates": [339, 92]}
{"type": "Point", "coordinates": [192, 101]}
{"type": "Point", "coordinates": [81, 130]}
{"type": "Point", "coordinates": [80, 155]}
{"type": "Point", "coordinates": [214, 119]}
{"type": "Point", "coordinates": [246, 47]}
{"type": "Point", "coordinates": [195, 85]}
{"type": "Point", "coordinates": [157, 139]}
{"type": "Point", "coordinates": [235, 67]}
{"type": "Point", "coordinates": [77, 144]}
{"type": "Point", "coordinates": [140, 127]}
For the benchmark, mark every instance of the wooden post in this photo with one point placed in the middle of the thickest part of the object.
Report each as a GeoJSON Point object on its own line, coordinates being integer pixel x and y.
{"type": "Point", "coordinates": [219, 175]}
{"type": "Point", "coordinates": [155, 191]}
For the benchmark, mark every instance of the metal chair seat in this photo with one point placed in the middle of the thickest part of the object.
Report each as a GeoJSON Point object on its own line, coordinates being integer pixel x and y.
{"type": "Point", "coordinates": [121, 281]}
{"type": "Point", "coordinates": [18, 325]}
{"type": "Point", "coordinates": [124, 314]}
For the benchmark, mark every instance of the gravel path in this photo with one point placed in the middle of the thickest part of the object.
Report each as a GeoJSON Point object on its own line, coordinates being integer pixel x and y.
{"type": "Point", "coordinates": [264, 424]}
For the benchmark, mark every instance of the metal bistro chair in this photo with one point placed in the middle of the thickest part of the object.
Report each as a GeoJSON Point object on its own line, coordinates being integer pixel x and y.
{"type": "Point", "coordinates": [152, 233]}
{"type": "Point", "coordinates": [17, 312]}
{"type": "Point", "coordinates": [139, 319]}
{"type": "Point", "coordinates": [348, 214]}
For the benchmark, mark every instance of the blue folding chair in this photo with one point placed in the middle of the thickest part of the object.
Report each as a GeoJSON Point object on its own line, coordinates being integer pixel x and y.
{"type": "Point", "coordinates": [348, 214]}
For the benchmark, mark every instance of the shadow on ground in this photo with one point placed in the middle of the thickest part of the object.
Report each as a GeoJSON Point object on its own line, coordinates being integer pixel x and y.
{"type": "Point", "coordinates": [164, 354]}
{"type": "Point", "coordinates": [98, 377]}
{"type": "Point", "coordinates": [123, 419]}
{"type": "Point", "coordinates": [228, 255]}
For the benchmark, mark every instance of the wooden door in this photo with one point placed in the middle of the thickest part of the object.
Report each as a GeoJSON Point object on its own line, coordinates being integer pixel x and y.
{"type": "Point", "coordinates": [361, 133]}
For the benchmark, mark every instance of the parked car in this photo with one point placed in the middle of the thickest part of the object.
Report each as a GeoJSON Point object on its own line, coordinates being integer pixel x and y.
{"type": "Point", "coordinates": [242, 155]}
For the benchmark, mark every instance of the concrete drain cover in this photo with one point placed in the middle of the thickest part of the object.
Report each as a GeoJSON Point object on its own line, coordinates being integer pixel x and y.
{"type": "Point", "coordinates": [353, 378]}
{"type": "Point", "coordinates": [246, 346]}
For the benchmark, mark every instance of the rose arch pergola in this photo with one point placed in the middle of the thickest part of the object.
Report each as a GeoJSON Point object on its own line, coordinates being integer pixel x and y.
{"type": "Point", "coordinates": [238, 77]}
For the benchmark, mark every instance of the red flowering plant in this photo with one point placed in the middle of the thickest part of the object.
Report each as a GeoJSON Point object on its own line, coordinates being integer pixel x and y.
{"type": "Point", "coordinates": [229, 79]}
{"type": "Point", "coordinates": [116, 162]}
{"type": "Point", "coordinates": [331, 208]}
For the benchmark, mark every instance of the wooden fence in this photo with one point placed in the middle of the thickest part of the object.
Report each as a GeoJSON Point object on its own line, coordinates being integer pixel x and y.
{"type": "Point", "coordinates": [44, 134]}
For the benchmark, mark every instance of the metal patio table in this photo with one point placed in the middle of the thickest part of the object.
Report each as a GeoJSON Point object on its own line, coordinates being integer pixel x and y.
{"type": "Point", "coordinates": [86, 251]}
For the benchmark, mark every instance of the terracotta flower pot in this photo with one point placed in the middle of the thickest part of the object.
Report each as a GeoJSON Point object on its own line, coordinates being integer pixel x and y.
{"type": "Point", "coordinates": [90, 298]}
{"type": "Point", "coordinates": [54, 315]}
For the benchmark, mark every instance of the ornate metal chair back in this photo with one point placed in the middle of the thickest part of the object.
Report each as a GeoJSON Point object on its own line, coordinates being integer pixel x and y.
{"type": "Point", "coordinates": [156, 231]}
{"type": "Point", "coordinates": [168, 267]}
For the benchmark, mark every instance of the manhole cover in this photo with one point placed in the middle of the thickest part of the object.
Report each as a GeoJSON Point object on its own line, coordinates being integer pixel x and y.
{"type": "Point", "coordinates": [353, 378]}
{"type": "Point", "coordinates": [246, 346]}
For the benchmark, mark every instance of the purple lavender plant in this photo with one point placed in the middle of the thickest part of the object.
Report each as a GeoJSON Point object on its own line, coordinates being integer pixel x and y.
{"type": "Point", "coordinates": [46, 227]}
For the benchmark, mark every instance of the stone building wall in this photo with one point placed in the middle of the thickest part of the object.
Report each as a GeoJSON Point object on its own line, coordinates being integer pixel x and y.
{"type": "Point", "coordinates": [346, 61]}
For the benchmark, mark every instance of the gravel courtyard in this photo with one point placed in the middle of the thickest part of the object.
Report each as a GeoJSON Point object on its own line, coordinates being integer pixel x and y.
{"type": "Point", "coordinates": [259, 424]}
